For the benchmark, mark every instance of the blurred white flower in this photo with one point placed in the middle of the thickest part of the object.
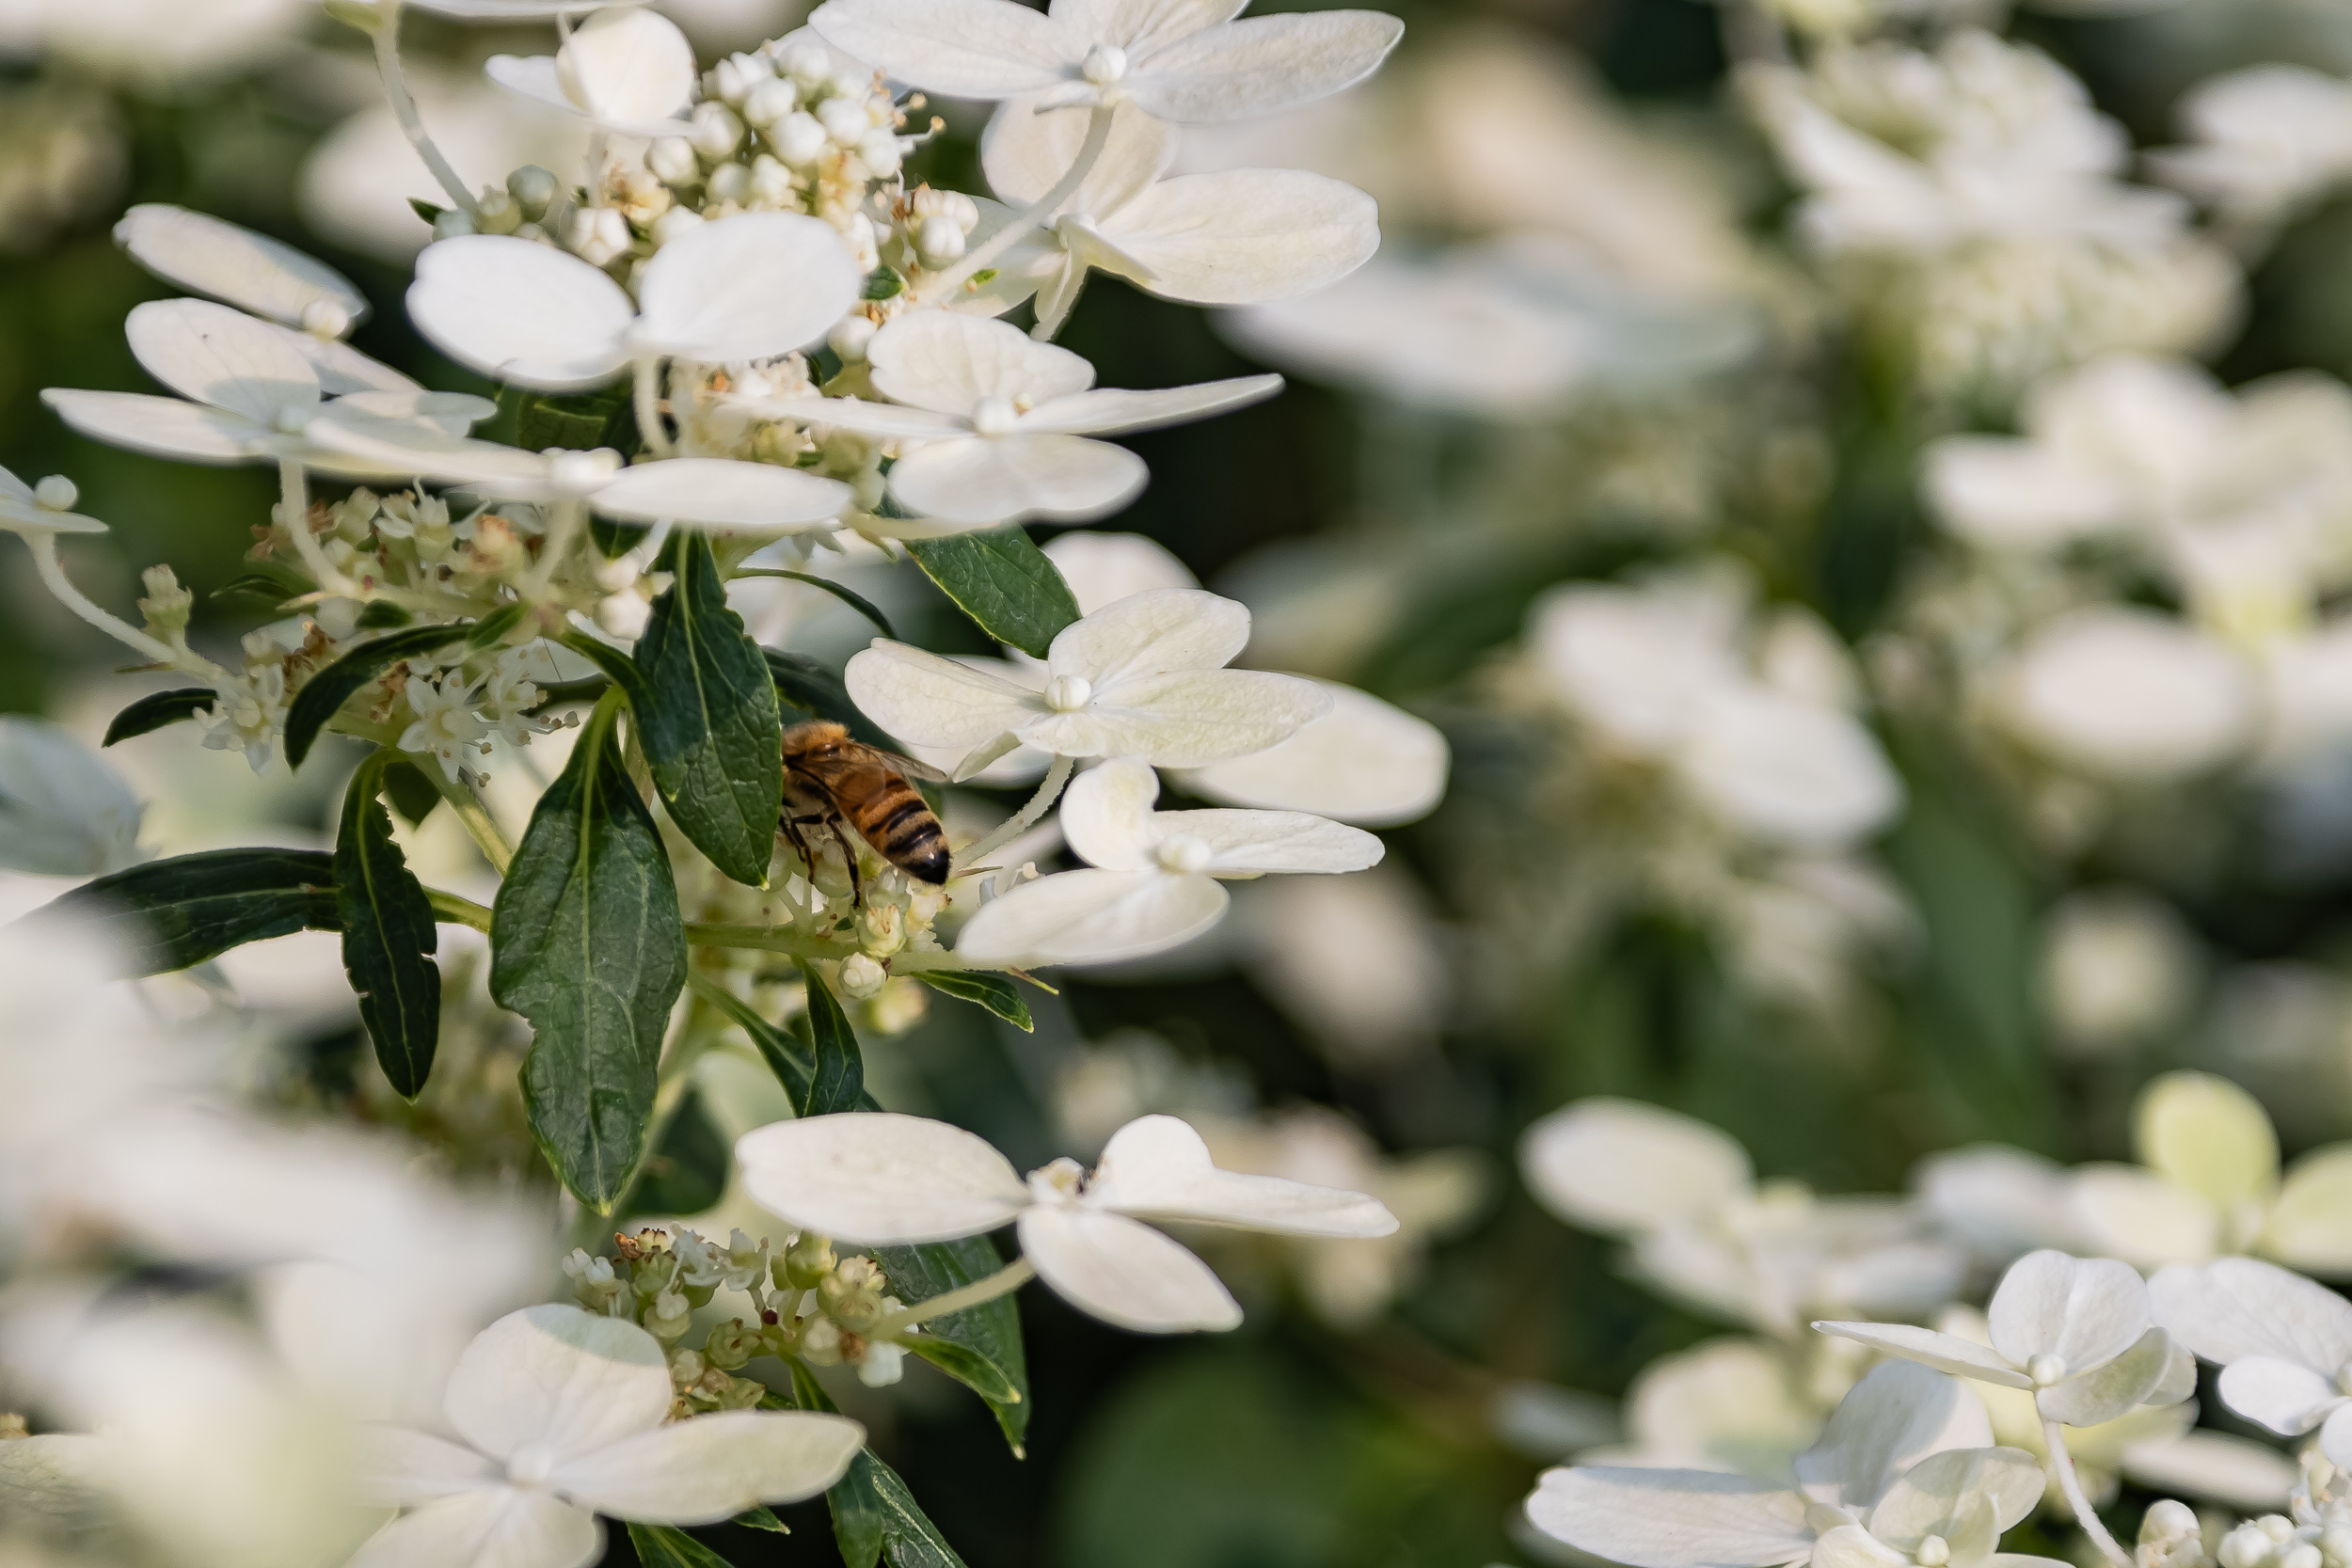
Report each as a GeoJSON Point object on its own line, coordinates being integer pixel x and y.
{"type": "Point", "coordinates": [882, 1180]}
{"type": "Point", "coordinates": [2118, 969]}
{"type": "Point", "coordinates": [621, 69]}
{"type": "Point", "coordinates": [1357, 961]}
{"type": "Point", "coordinates": [1155, 877]}
{"type": "Point", "coordinates": [64, 812]}
{"type": "Point", "coordinates": [1729, 1404]}
{"type": "Point", "coordinates": [562, 1414]}
{"type": "Point", "coordinates": [2002, 1202]}
{"type": "Point", "coordinates": [1132, 1073]}
{"type": "Point", "coordinates": [2263, 144]}
{"type": "Point", "coordinates": [158, 44]}
{"type": "Point", "coordinates": [2128, 696]}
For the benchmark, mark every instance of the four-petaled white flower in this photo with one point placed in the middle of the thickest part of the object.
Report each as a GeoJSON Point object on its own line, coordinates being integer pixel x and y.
{"type": "Point", "coordinates": [626, 70]}
{"type": "Point", "coordinates": [1002, 421]}
{"type": "Point", "coordinates": [877, 1178]}
{"type": "Point", "coordinates": [250, 393]}
{"type": "Point", "coordinates": [750, 286]}
{"type": "Point", "coordinates": [561, 1415]}
{"type": "Point", "coordinates": [1154, 883]}
{"type": "Point", "coordinates": [2284, 1344]}
{"type": "Point", "coordinates": [2079, 1333]}
{"type": "Point", "coordinates": [1240, 237]}
{"type": "Point", "coordinates": [1905, 1473]}
{"type": "Point", "coordinates": [1192, 64]}
{"type": "Point", "coordinates": [1144, 677]}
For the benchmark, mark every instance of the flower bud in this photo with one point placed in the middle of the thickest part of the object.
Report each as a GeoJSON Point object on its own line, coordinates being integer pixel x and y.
{"type": "Point", "coordinates": [770, 103]}
{"type": "Point", "coordinates": [881, 1365]}
{"type": "Point", "coordinates": [686, 1368]}
{"type": "Point", "coordinates": [845, 121]}
{"type": "Point", "coordinates": [534, 190]}
{"type": "Point", "coordinates": [799, 138]}
{"type": "Point", "coordinates": [56, 494]}
{"type": "Point", "coordinates": [820, 1343]}
{"type": "Point", "coordinates": [673, 160]}
{"type": "Point", "coordinates": [879, 150]}
{"type": "Point", "coordinates": [453, 224]}
{"type": "Point", "coordinates": [624, 615]}
{"type": "Point", "coordinates": [337, 617]}
{"type": "Point", "coordinates": [882, 930]}
{"type": "Point", "coordinates": [863, 244]}
{"type": "Point", "coordinates": [669, 1316]}
{"type": "Point", "coordinates": [731, 1344]}
{"type": "Point", "coordinates": [806, 1262]}
{"type": "Point", "coordinates": [849, 337]}
{"type": "Point", "coordinates": [718, 130]}
{"type": "Point", "coordinates": [730, 183]}
{"type": "Point", "coordinates": [805, 61]}
{"type": "Point", "coordinates": [599, 235]}
{"type": "Point", "coordinates": [497, 213]}
{"type": "Point", "coordinates": [861, 976]}
{"type": "Point", "coordinates": [676, 221]}
{"type": "Point", "coordinates": [739, 76]}
{"type": "Point", "coordinates": [167, 605]}
{"type": "Point", "coordinates": [771, 182]}
{"type": "Point", "coordinates": [938, 241]}
{"type": "Point", "coordinates": [326, 319]}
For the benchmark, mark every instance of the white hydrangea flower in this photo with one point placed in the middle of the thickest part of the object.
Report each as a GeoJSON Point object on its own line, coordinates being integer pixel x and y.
{"type": "Point", "coordinates": [1187, 64]}
{"type": "Point", "coordinates": [2129, 696]}
{"type": "Point", "coordinates": [2079, 1333]}
{"type": "Point", "coordinates": [626, 71]}
{"type": "Point", "coordinates": [878, 1179]}
{"type": "Point", "coordinates": [446, 727]}
{"type": "Point", "coordinates": [63, 811]}
{"type": "Point", "coordinates": [2265, 143]}
{"type": "Point", "coordinates": [2284, 1344]}
{"type": "Point", "coordinates": [745, 287]}
{"type": "Point", "coordinates": [1155, 879]}
{"type": "Point", "coordinates": [995, 426]}
{"type": "Point", "coordinates": [560, 1416]}
{"type": "Point", "coordinates": [1733, 1404]}
{"type": "Point", "coordinates": [1143, 677]}
{"type": "Point", "coordinates": [1905, 1473]}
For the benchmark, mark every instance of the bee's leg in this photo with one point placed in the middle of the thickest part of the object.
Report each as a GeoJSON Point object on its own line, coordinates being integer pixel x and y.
{"type": "Point", "coordinates": [849, 858]}
{"type": "Point", "coordinates": [790, 826]}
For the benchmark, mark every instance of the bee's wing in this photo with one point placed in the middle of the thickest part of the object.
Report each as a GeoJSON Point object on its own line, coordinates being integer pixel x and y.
{"type": "Point", "coordinates": [900, 762]}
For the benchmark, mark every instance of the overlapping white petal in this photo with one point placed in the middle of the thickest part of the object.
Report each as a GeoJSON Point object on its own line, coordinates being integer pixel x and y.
{"type": "Point", "coordinates": [749, 286]}
{"type": "Point", "coordinates": [2284, 1342]}
{"type": "Point", "coordinates": [563, 1416]}
{"type": "Point", "coordinates": [878, 1179]}
{"type": "Point", "coordinates": [206, 256]}
{"type": "Point", "coordinates": [1186, 63]}
{"type": "Point", "coordinates": [1365, 762]}
{"type": "Point", "coordinates": [623, 69]}
{"type": "Point", "coordinates": [1143, 677]}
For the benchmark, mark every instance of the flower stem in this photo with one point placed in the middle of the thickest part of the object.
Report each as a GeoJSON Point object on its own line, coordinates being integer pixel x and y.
{"type": "Point", "coordinates": [1023, 224]}
{"type": "Point", "coordinates": [458, 911]}
{"type": "Point", "coordinates": [1022, 820]}
{"type": "Point", "coordinates": [564, 518]}
{"type": "Point", "coordinates": [767, 939]}
{"type": "Point", "coordinates": [2062, 1464]}
{"type": "Point", "coordinates": [294, 490]}
{"type": "Point", "coordinates": [481, 826]}
{"type": "Point", "coordinates": [650, 426]}
{"type": "Point", "coordinates": [1002, 1283]}
{"type": "Point", "coordinates": [404, 105]}
{"type": "Point", "coordinates": [44, 547]}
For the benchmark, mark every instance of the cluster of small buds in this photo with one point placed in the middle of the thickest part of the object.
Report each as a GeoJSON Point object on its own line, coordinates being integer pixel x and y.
{"type": "Point", "coordinates": [2171, 1537]}
{"type": "Point", "coordinates": [2276, 1540]}
{"type": "Point", "coordinates": [165, 607]}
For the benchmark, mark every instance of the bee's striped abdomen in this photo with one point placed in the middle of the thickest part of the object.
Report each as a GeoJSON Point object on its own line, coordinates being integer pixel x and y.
{"type": "Point", "coordinates": [903, 832]}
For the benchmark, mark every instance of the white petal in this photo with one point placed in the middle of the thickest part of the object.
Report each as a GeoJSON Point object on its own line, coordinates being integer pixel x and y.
{"type": "Point", "coordinates": [1946, 1353]}
{"type": "Point", "coordinates": [1365, 762]}
{"type": "Point", "coordinates": [1151, 633]}
{"type": "Point", "coordinates": [2141, 1217]}
{"type": "Point", "coordinates": [1262, 64]}
{"type": "Point", "coordinates": [1672, 1518]}
{"type": "Point", "coordinates": [2284, 1396]}
{"type": "Point", "coordinates": [1125, 1272]}
{"type": "Point", "coordinates": [960, 48]}
{"type": "Point", "coordinates": [631, 69]}
{"type": "Point", "coordinates": [878, 1179]}
{"type": "Point", "coordinates": [521, 312]}
{"type": "Point", "coordinates": [714, 1467]}
{"type": "Point", "coordinates": [1138, 25]}
{"type": "Point", "coordinates": [2001, 491]}
{"type": "Point", "coordinates": [2310, 1225]}
{"type": "Point", "coordinates": [750, 286]}
{"type": "Point", "coordinates": [1253, 843]}
{"type": "Point", "coordinates": [2002, 1201]}
{"type": "Point", "coordinates": [949, 363]}
{"type": "Point", "coordinates": [1184, 719]}
{"type": "Point", "coordinates": [1897, 1414]}
{"type": "Point", "coordinates": [2129, 695]}
{"type": "Point", "coordinates": [510, 10]}
{"type": "Point", "coordinates": [2085, 1312]}
{"type": "Point", "coordinates": [416, 446]}
{"type": "Point", "coordinates": [977, 480]}
{"type": "Point", "coordinates": [252, 272]}
{"type": "Point", "coordinates": [1247, 236]}
{"type": "Point", "coordinates": [2234, 1471]}
{"type": "Point", "coordinates": [2110, 1390]}
{"type": "Point", "coordinates": [2335, 1436]}
{"type": "Point", "coordinates": [1157, 1167]}
{"type": "Point", "coordinates": [1113, 411]}
{"type": "Point", "coordinates": [1619, 1165]}
{"type": "Point", "coordinates": [1852, 1547]}
{"type": "Point", "coordinates": [557, 1377]}
{"type": "Point", "coordinates": [873, 419]}
{"type": "Point", "coordinates": [1024, 154]}
{"type": "Point", "coordinates": [925, 700]}
{"type": "Point", "coordinates": [213, 355]}
{"type": "Point", "coordinates": [401, 1469]}
{"type": "Point", "coordinates": [1092, 918]}
{"type": "Point", "coordinates": [165, 427]}
{"type": "Point", "coordinates": [1107, 816]}
{"type": "Point", "coordinates": [1787, 770]}
{"type": "Point", "coordinates": [1103, 568]}
{"type": "Point", "coordinates": [2236, 1307]}
{"type": "Point", "coordinates": [497, 1526]}
{"type": "Point", "coordinates": [449, 413]}
{"type": "Point", "coordinates": [2208, 1135]}
{"type": "Point", "coordinates": [1934, 1493]}
{"type": "Point", "coordinates": [341, 369]}
{"type": "Point", "coordinates": [713, 492]}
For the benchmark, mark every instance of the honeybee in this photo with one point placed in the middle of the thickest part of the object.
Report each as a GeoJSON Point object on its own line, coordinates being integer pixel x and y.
{"type": "Point", "coordinates": [829, 778]}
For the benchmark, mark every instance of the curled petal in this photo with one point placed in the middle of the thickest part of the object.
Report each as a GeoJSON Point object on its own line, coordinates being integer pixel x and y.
{"type": "Point", "coordinates": [237, 266]}
{"type": "Point", "coordinates": [496, 1526]}
{"type": "Point", "coordinates": [960, 48]}
{"type": "Point", "coordinates": [521, 312]}
{"type": "Point", "coordinates": [1672, 1518]}
{"type": "Point", "coordinates": [714, 1467]}
{"type": "Point", "coordinates": [560, 1378]}
{"type": "Point", "coordinates": [1263, 64]}
{"type": "Point", "coordinates": [1125, 1271]}
{"type": "Point", "coordinates": [750, 286]}
{"type": "Point", "coordinates": [1157, 1167]}
{"type": "Point", "coordinates": [929, 701]}
{"type": "Point", "coordinates": [1107, 816]}
{"type": "Point", "coordinates": [878, 1179]}
{"type": "Point", "coordinates": [976, 482]}
{"type": "Point", "coordinates": [1092, 918]}
{"type": "Point", "coordinates": [2084, 1311]}
{"type": "Point", "coordinates": [1935, 1495]}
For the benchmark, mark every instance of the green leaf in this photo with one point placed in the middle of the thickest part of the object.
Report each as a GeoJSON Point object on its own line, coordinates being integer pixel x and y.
{"type": "Point", "coordinates": [688, 1173]}
{"type": "Point", "coordinates": [1002, 581]}
{"type": "Point", "coordinates": [576, 422]}
{"type": "Point", "coordinates": [965, 1365]}
{"type": "Point", "coordinates": [992, 1330]}
{"type": "Point", "coordinates": [856, 601]}
{"type": "Point", "coordinates": [587, 944]}
{"type": "Point", "coordinates": [872, 1510]}
{"type": "Point", "coordinates": [837, 1082]}
{"type": "Point", "coordinates": [788, 1057]}
{"type": "Point", "coordinates": [381, 615]}
{"type": "Point", "coordinates": [668, 1546]}
{"type": "Point", "coordinates": [409, 791]}
{"type": "Point", "coordinates": [761, 1517]}
{"type": "Point", "coordinates": [710, 722]}
{"type": "Point", "coordinates": [425, 209]}
{"type": "Point", "coordinates": [860, 1523]}
{"type": "Point", "coordinates": [614, 539]}
{"type": "Point", "coordinates": [159, 708]}
{"type": "Point", "coordinates": [994, 991]}
{"type": "Point", "coordinates": [388, 935]}
{"type": "Point", "coordinates": [262, 585]}
{"type": "Point", "coordinates": [173, 914]}
{"type": "Point", "coordinates": [882, 283]}
{"type": "Point", "coordinates": [909, 1537]}
{"type": "Point", "coordinates": [492, 628]}
{"type": "Point", "coordinates": [342, 680]}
